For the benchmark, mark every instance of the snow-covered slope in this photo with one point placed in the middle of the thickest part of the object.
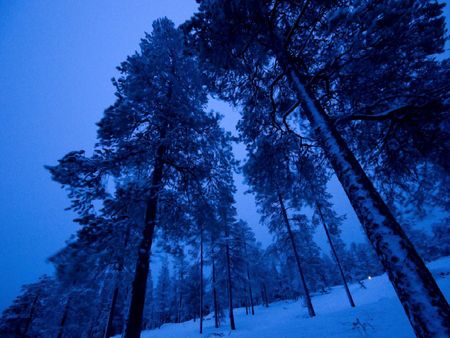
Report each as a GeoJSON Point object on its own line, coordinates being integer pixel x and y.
{"type": "Point", "coordinates": [378, 313]}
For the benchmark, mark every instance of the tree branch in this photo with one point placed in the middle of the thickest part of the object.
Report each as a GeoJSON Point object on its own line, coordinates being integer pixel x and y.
{"type": "Point", "coordinates": [396, 113]}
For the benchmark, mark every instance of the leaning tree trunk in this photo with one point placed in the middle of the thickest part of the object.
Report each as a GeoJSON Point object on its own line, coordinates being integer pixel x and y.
{"type": "Point", "coordinates": [297, 257]}
{"type": "Point", "coordinates": [338, 262]}
{"type": "Point", "coordinates": [230, 286]}
{"type": "Point", "coordinates": [135, 314]}
{"type": "Point", "coordinates": [216, 309]}
{"type": "Point", "coordinates": [201, 280]}
{"type": "Point", "coordinates": [422, 300]}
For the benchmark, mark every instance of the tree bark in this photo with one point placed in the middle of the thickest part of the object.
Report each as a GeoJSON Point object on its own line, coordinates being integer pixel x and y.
{"type": "Point", "coordinates": [230, 286]}
{"type": "Point", "coordinates": [135, 314]}
{"type": "Point", "coordinates": [251, 299]}
{"type": "Point", "coordinates": [201, 280]}
{"type": "Point", "coordinates": [216, 310]}
{"type": "Point", "coordinates": [109, 327]}
{"type": "Point", "coordinates": [248, 275]}
{"type": "Point", "coordinates": [297, 258]}
{"type": "Point", "coordinates": [344, 280]}
{"type": "Point", "coordinates": [422, 300]}
{"type": "Point", "coordinates": [250, 289]}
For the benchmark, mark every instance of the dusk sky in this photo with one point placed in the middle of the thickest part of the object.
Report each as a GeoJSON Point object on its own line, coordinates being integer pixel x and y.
{"type": "Point", "coordinates": [57, 59]}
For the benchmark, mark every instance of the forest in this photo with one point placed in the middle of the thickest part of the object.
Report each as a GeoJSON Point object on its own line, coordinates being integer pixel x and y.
{"type": "Point", "coordinates": [353, 90]}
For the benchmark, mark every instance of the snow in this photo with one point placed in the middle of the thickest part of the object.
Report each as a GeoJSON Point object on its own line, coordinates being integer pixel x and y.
{"type": "Point", "coordinates": [378, 313]}
{"type": "Point", "coordinates": [423, 303]}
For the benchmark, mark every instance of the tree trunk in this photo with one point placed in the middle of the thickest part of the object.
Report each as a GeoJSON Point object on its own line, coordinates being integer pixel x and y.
{"type": "Point", "coordinates": [216, 310]}
{"type": "Point", "coordinates": [422, 300]}
{"type": "Point", "coordinates": [230, 286]}
{"type": "Point", "coordinates": [250, 290]}
{"type": "Point", "coordinates": [64, 318]}
{"type": "Point", "coordinates": [248, 276]}
{"type": "Point", "coordinates": [344, 280]}
{"type": "Point", "coordinates": [297, 258]}
{"type": "Point", "coordinates": [124, 303]}
{"type": "Point", "coordinates": [201, 280]}
{"type": "Point", "coordinates": [265, 295]}
{"type": "Point", "coordinates": [109, 327]}
{"type": "Point", "coordinates": [135, 314]}
{"type": "Point", "coordinates": [30, 317]}
{"type": "Point", "coordinates": [263, 301]}
{"type": "Point", "coordinates": [180, 303]}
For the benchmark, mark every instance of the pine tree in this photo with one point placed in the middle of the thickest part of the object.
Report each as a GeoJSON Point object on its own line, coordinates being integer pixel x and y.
{"type": "Point", "coordinates": [162, 296]}
{"type": "Point", "coordinates": [181, 267]}
{"type": "Point", "coordinates": [248, 242]}
{"type": "Point", "coordinates": [441, 238]}
{"type": "Point", "coordinates": [272, 177]}
{"type": "Point", "coordinates": [150, 311]}
{"type": "Point", "coordinates": [330, 233]}
{"type": "Point", "coordinates": [363, 262]}
{"type": "Point", "coordinates": [161, 90]}
{"type": "Point", "coordinates": [315, 64]}
{"type": "Point", "coordinates": [192, 294]}
{"type": "Point", "coordinates": [24, 318]}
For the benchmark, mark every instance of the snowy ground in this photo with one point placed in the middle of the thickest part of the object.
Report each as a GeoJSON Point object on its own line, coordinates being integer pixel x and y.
{"type": "Point", "coordinates": [378, 313]}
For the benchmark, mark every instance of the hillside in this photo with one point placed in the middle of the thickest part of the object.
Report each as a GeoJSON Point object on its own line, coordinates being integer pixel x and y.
{"type": "Point", "coordinates": [378, 313]}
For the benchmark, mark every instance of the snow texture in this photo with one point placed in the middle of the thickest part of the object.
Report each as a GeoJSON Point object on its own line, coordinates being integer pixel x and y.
{"type": "Point", "coordinates": [378, 313]}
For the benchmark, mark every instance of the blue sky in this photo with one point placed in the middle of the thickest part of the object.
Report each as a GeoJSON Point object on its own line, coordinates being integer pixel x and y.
{"type": "Point", "coordinates": [56, 62]}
